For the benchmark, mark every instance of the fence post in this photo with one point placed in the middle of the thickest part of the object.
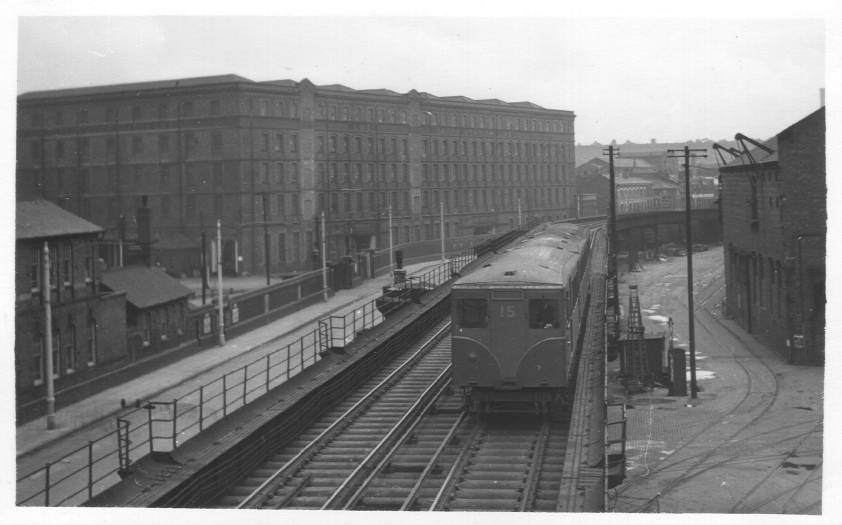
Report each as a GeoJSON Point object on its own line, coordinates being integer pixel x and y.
{"type": "Point", "coordinates": [267, 372]}
{"type": "Point", "coordinates": [224, 395]}
{"type": "Point", "coordinates": [245, 382]}
{"type": "Point", "coordinates": [90, 469]}
{"type": "Point", "coordinates": [289, 356]}
{"type": "Point", "coordinates": [201, 408]}
{"type": "Point", "coordinates": [47, 485]}
{"type": "Point", "coordinates": [174, 423]}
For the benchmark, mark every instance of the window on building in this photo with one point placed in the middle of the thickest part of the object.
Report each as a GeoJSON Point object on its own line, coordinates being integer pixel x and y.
{"type": "Point", "coordinates": [137, 113]}
{"type": "Point", "coordinates": [214, 107]}
{"type": "Point", "coordinates": [38, 358]}
{"type": "Point", "coordinates": [35, 270]}
{"type": "Point", "coordinates": [92, 346]}
{"type": "Point", "coordinates": [473, 313]}
{"type": "Point", "coordinates": [190, 205]}
{"type": "Point", "coordinates": [137, 144]}
{"type": "Point", "coordinates": [187, 108]}
{"type": "Point", "coordinates": [218, 210]}
{"type": "Point", "coordinates": [111, 114]}
{"type": "Point", "coordinates": [70, 349]}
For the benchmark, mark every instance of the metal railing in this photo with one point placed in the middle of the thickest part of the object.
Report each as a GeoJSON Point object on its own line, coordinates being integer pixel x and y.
{"type": "Point", "coordinates": [160, 426]}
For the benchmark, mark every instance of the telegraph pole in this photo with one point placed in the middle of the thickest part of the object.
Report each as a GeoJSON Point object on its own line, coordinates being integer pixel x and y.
{"type": "Point", "coordinates": [612, 238]}
{"type": "Point", "coordinates": [266, 235]}
{"type": "Point", "coordinates": [441, 223]}
{"type": "Point", "coordinates": [324, 258]}
{"type": "Point", "coordinates": [219, 281]}
{"type": "Point", "coordinates": [48, 341]}
{"type": "Point", "coordinates": [688, 153]}
{"type": "Point", "coordinates": [204, 255]}
{"type": "Point", "coordinates": [391, 247]}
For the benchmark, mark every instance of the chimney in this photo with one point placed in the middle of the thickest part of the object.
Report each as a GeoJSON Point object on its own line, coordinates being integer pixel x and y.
{"type": "Point", "coordinates": [144, 231]}
{"type": "Point", "coordinates": [821, 97]}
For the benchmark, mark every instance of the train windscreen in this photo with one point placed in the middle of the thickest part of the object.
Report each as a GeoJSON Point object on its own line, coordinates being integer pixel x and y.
{"type": "Point", "coordinates": [473, 313]}
{"type": "Point", "coordinates": [544, 313]}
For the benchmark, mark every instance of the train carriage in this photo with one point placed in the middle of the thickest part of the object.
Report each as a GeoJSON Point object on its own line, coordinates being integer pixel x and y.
{"type": "Point", "coordinates": [514, 319]}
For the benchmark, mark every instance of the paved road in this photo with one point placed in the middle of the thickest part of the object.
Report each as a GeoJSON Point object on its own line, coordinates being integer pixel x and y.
{"type": "Point", "coordinates": [750, 443]}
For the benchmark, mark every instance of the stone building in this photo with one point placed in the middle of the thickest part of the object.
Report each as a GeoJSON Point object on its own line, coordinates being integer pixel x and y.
{"type": "Point", "coordinates": [88, 323]}
{"type": "Point", "coordinates": [267, 158]}
{"type": "Point", "coordinates": [774, 213]}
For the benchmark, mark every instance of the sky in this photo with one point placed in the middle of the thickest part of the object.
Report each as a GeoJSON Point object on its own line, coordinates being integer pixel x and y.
{"type": "Point", "coordinates": [629, 78]}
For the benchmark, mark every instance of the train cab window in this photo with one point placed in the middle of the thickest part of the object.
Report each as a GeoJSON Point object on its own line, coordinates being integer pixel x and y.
{"type": "Point", "coordinates": [473, 313]}
{"type": "Point", "coordinates": [543, 313]}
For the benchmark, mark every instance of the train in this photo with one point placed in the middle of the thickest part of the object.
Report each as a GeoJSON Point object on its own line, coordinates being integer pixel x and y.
{"type": "Point", "coordinates": [516, 319]}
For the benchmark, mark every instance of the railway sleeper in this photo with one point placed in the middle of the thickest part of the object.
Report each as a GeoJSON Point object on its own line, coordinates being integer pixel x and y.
{"type": "Point", "coordinates": [418, 467]}
{"type": "Point", "coordinates": [495, 474]}
{"type": "Point", "coordinates": [491, 484]}
{"type": "Point", "coordinates": [487, 503]}
{"type": "Point", "coordinates": [380, 503]}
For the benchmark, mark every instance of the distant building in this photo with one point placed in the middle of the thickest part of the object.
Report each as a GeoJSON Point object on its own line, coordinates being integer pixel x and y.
{"type": "Point", "coordinates": [88, 323]}
{"type": "Point", "coordinates": [774, 214]}
{"type": "Point", "coordinates": [270, 157]}
{"type": "Point", "coordinates": [638, 188]}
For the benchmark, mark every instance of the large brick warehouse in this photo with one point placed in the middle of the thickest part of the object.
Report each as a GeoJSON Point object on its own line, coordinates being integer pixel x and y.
{"type": "Point", "coordinates": [268, 157]}
{"type": "Point", "coordinates": [774, 223]}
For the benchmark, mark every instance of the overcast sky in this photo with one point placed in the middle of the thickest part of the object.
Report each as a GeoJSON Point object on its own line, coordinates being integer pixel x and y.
{"type": "Point", "coordinates": [627, 78]}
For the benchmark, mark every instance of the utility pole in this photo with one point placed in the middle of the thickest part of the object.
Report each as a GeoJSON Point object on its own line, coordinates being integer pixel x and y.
{"type": "Point", "coordinates": [219, 281]}
{"type": "Point", "coordinates": [204, 255]}
{"type": "Point", "coordinates": [391, 247]}
{"type": "Point", "coordinates": [324, 258]}
{"type": "Point", "coordinates": [612, 239]}
{"type": "Point", "coordinates": [266, 235]}
{"type": "Point", "coordinates": [441, 222]}
{"type": "Point", "coordinates": [688, 153]}
{"type": "Point", "coordinates": [48, 341]}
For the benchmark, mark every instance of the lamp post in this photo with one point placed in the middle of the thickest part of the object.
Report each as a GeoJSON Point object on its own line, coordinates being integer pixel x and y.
{"type": "Point", "coordinates": [441, 223]}
{"type": "Point", "coordinates": [219, 281]}
{"type": "Point", "coordinates": [48, 340]}
{"type": "Point", "coordinates": [324, 259]}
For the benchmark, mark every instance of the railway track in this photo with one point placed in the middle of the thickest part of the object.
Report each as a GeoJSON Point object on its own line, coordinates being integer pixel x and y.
{"type": "Point", "coordinates": [328, 459]}
{"type": "Point", "coordinates": [402, 441]}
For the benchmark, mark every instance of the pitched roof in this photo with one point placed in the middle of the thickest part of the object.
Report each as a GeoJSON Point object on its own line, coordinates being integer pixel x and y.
{"type": "Point", "coordinates": [38, 218]}
{"type": "Point", "coordinates": [135, 86]}
{"type": "Point", "coordinates": [145, 287]}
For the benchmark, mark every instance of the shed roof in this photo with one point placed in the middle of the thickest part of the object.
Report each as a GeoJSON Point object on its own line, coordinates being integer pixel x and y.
{"type": "Point", "coordinates": [145, 287]}
{"type": "Point", "coordinates": [39, 218]}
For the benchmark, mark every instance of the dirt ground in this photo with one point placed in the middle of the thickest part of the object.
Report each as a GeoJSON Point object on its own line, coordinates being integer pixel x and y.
{"type": "Point", "coordinates": [751, 442]}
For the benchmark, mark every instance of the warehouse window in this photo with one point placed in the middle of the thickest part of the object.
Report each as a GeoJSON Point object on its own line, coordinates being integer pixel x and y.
{"type": "Point", "coordinates": [543, 313]}
{"type": "Point", "coordinates": [473, 313]}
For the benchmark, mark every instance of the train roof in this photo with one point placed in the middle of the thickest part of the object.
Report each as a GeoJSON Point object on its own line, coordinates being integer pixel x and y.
{"type": "Point", "coordinates": [547, 256]}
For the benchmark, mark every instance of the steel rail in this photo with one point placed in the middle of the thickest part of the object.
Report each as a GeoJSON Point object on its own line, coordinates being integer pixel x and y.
{"type": "Point", "coordinates": [393, 439]}
{"type": "Point", "coordinates": [458, 465]}
{"type": "Point", "coordinates": [538, 454]}
{"type": "Point", "coordinates": [413, 493]}
{"type": "Point", "coordinates": [262, 492]}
